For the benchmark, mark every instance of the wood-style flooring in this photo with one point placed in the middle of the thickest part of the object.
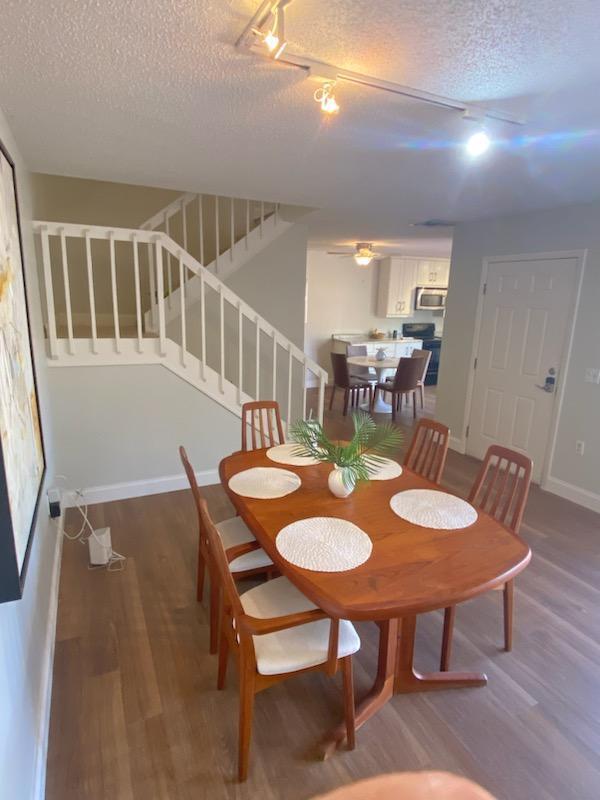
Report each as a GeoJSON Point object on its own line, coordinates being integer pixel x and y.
{"type": "Point", "coordinates": [136, 715]}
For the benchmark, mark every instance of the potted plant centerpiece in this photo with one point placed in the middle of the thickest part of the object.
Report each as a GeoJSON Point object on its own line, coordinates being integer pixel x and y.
{"type": "Point", "coordinates": [353, 461]}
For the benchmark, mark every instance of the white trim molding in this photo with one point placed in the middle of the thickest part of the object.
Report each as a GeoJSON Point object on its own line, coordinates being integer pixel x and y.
{"type": "Point", "coordinates": [568, 491]}
{"type": "Point", "coordinates": [456, 444]}
{"type": "Point", "coordinates": [140, 488]}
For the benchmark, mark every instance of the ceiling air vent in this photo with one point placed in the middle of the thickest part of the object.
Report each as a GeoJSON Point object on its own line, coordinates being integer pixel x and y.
{"type": "Point", "coordinates": [434, 223]}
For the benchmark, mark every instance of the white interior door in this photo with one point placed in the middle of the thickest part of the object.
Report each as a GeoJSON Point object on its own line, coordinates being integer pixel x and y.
{"type": "Point", "coordinates": [524, 331]}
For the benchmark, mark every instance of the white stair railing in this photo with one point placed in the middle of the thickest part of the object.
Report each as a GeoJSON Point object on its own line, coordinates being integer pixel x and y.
{"type": "Point", "coordinates": [100, 283]}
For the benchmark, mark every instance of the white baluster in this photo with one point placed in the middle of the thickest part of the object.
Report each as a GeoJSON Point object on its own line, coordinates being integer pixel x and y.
{"type": "Point", "coordinates": [262, 216]}
{"type": "Point", "coordinates": [274, 365]}
{"type": "Point", "coordinates": [138, 302]}
{"type": "Point", "coordinates": [160, 298]}
{"type": "Point", "coordinates": [184, 224]}
{"type": "Point", "coordinates": [182, 311]}
{"type": "Point", "coordinates": [232, 237]}
{"type": "Point", "coordinates": [113, 283]}
{"type": "Point", "coordinates": [217, 236]}
{"type": "Point", "coordinates": [240, 351]}
{"type": "Point", "coordinates": [152, 284]}
{"type": "Point", "coordinates": [201, 227]}
{"type": "Point", "coordinates": [90, 276]}
{"type": "Point", "coordinates": [49, 291]}
{"type": "Point", "coordinates": [257, 391]}
{"type": "Point", "coordinates": [169, 265]}
{"type": "Point", "coordinates": [203, 327]}
{"type": "Point", "coordinates": [222, 341]}
{"type": "Point", "coordinates": [289, 390]}
{"type": "Point", "coordinates": [247, 222]}
{"type": "Point", "coordinates": [321, 397]}
{"type": "Point", "coordinates": [65, 272]}
{"type": "Point", "coordinates": [304, 389]}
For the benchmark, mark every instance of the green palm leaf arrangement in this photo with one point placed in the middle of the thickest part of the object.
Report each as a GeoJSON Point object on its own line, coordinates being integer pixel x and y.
{"type": "Point", "coordinates": [360, 458]}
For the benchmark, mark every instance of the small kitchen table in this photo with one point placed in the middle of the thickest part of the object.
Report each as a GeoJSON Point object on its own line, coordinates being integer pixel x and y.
{"type": "Point", "coordinates": [381, 368]}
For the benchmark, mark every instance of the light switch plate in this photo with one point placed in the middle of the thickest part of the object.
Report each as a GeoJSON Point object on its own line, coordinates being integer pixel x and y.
{"type": "Point", "coordinates": [592, 375]}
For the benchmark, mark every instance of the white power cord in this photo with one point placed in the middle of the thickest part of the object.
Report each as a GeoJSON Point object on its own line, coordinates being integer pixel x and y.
{"type": "Point", "coordinates": [116, 561]}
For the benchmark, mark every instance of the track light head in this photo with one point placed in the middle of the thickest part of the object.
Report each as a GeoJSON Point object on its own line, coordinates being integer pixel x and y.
{"type": "Point", "coordinates": [326, 98]}
{"type": "Point", "coordinates": [478, 143]}
{"type": "Point", "coordinates": [274, 39]}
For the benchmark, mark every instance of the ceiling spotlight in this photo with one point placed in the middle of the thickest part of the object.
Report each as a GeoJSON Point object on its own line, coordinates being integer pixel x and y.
{"type": "Point", "coordinates": [274, 38]}
{"type": "Point", "coordinates": [364, 254]}
{"type": "Point", "coordinates": [326, 98]}
{"type": "Point", "coordinates": [478, 143]}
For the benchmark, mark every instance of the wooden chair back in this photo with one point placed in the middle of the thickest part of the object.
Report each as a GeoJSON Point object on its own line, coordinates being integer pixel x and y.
{"type": "Point", "coordinates": [407, 375]}
{"type": "Point", "coordinates": [203, 548]}
{"type": "Point", "coordinates": [425, 356]}
{"type": "Point", "coordinates": [341, 373]}
{"type": "Point", "coordinates": [428, 450]}
{"type": "Point", "coordinates": [502, 485]}
{"type": "Point", "coordinates": [261, 425]}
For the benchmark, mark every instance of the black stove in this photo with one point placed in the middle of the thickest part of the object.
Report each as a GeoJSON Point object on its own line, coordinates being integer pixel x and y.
{"type": "Point", "coordinates": [426, 332]}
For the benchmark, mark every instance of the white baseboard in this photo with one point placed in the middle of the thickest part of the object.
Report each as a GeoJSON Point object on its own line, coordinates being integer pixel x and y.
{"type": "Point", "coordinates": [46, 682]}
{"type": "Point", "coordinates": [569, 491]}
{"type": "Point", "coordinates": [459, 445]}
{"type": "Point", "coordinates": [128, 489]}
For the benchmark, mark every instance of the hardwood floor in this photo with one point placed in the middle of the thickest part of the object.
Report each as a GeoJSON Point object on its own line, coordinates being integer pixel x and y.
{"type": "Point", "coordinates": [136, 715]}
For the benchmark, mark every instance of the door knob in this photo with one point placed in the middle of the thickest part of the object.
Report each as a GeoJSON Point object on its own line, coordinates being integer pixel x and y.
{"type": "Point", "coordinates": [550, 382]}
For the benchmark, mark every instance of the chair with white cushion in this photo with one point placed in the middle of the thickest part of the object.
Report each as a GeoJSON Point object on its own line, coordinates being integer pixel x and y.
{"type": "Point", "coordinates": [244, 555]}
{"type": "Point", "coordinates": [276, 632]}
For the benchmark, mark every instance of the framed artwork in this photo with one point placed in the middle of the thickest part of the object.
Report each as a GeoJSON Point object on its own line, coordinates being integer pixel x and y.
{"type": "Point", "coordinates": [22, 459]}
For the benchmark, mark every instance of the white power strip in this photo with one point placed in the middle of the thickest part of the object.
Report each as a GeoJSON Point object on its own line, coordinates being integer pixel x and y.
{"type": "Point", "coordinates": [100, 547]}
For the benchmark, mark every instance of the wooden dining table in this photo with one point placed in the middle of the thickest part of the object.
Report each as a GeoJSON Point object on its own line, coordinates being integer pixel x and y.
{"type": "Point", "coordinates": [411, 569]}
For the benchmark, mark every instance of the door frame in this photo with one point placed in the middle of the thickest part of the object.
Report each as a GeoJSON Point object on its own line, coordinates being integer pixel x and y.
{"type": "Point", "coordinates": [580, 256]}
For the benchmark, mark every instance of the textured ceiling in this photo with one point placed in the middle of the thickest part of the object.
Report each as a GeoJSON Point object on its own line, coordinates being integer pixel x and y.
{"type": "Point", "coordinates": [154, 93]}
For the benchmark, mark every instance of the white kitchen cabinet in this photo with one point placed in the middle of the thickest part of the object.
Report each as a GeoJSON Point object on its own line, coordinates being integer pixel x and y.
{"type": "Point", "coordinates": [397, 283]}
{"type": "Point", "coordinates": [433, 272]}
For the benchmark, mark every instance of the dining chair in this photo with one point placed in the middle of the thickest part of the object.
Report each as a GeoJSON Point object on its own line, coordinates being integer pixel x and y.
{"type": "Point", "coordinates": [262, 419]}
{"type": "Point", "coordinates": [428, 449]}
{"type": "Point", "coordinates": [425, 356]}
{"type": "Point", "coordinates": [500, 490]}
{"type": "Point", "coordinates": [343, 380]}
{"type": "Point", "coordinates": [402, 384]}
{"type": "Point", "coordinates": [361, 373]}
{"type": "Point", "coordinates": [246, 557]}
{"type": "Point", "coordinates": [275, 632]}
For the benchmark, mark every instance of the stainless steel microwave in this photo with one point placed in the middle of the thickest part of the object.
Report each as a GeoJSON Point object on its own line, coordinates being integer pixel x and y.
{"type": "Point", "coordinates": [430, 298]}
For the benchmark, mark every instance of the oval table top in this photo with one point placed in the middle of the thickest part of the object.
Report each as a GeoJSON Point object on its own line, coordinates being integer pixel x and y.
{"type": "Point", "coordinates": [411, 569]}
{"type": "Point", "coordinates": [371, 361]}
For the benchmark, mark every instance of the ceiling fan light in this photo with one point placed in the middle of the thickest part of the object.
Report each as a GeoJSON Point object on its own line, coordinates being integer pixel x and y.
{"type": "Point", "coordinates": [363, 260]}
{"type": "Point", "coordinates": [478, 144]}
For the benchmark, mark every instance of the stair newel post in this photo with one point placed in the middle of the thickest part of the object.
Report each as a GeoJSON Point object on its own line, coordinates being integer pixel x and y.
{"type": "Point", "coordinates": [304, 388]}
{"type": "Point", "coordinates": [257, 390]}
{"type": "Point", "coordinates": [113, 284]}
{"type": "Point", "coordinates": [289, 389]}
{"type": "Point", "coordinates": [203, 326]}
{"type": "Point", "coordinates": [201, 227]}
{"type": "Point", "coordinates": [138, 302]}
{"type": "Point", "coordinates": [274, 364]}
{"type": "Point", "coordinates": [91, 293]}
{"type": "Point", "coordinates": [240, 351]}
{"type": "Point", "coordinates": [321, 396]}
{"type": "Point", "coordinates": [49, 292]}
{"type": "Point", "coordinates": [217, 235]}
{"type": "Point", "coordinates": [222, 340]}
{"type": "Point", "coordinates": [182, 310]}
{"type": "Point", "coordinates": [184, 223]}
{"type": "Point", "coordinates": [160, 297]}
{"type": "Point", "coordinates": [232, 204]}
{"type": "Point", "coordinates": [67, 289]}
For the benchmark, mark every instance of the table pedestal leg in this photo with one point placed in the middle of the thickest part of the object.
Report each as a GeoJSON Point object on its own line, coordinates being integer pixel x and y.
{"type": "Point", "coordinates": [380, 693]}
{"type": "Point", "coordinates": [409, 680]}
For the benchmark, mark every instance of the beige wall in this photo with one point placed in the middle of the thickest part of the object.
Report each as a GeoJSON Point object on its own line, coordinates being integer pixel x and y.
{"type": "Point", "coordinates": [342, 298]}
{"type": "Point", "coordinates": [562, 229]}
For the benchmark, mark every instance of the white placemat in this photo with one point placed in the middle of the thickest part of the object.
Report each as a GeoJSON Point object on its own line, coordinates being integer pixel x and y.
{"type": "Point", "coordinates": [385, 472]}
{"type": "Point", "coordinates": [324, 544]}
{"type": "Point", "coordinates": [264, 482]}
{"type": "Point", "coordinates": [432, 509]}
{"type": "Point", "coordinates": [283, 454]}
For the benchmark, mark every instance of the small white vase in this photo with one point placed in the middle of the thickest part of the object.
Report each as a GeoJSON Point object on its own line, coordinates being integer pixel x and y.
{"type": "Point", "coordinates": [336, 483]}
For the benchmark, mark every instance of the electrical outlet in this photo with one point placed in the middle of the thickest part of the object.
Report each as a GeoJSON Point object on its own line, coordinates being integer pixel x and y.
{"type": "Point", "coordinates": [579, 448]}
{"type": "Point", "coordinates": [592, 375]}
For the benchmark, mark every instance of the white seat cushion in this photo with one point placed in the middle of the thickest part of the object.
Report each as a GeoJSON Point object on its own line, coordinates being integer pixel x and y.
{"type": "Point", "coordinates": [294, 648]}
{"type": "Point", "coordinates": [234, 531]}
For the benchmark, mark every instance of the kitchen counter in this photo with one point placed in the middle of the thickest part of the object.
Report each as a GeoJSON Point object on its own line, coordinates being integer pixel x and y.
{"type": "Point", "coordinates": [361, 339]}
{"type": "Point", "coordinates": [401, 347]}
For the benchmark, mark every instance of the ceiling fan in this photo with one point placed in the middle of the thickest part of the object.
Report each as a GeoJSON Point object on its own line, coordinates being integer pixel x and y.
{"type": "Point", "coordinates": [363, 254]}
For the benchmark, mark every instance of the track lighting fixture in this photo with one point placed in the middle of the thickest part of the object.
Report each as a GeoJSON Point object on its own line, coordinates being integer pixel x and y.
{"type": "Point", "coordinates": [478, 143]}
{"type": "Point", "coordinates": [274, 38]}
{"type": "Point", "coordinates": [326, 98]}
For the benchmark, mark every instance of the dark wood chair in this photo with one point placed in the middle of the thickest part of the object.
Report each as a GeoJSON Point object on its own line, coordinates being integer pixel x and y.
{"type": "Point", "coordinates": [428, 449]}
{"type": "Point", "coordinates": [500, 489]}
{"type": "Point", "coordinates": [275, 632]}
{"type": "Point", "coordinates": [261, 418]}
{"type": "Point", "coordinates": [246, 557]}
{"type": "Point", "coordinates": [360, 373]}
{"type": "Point", "coordinates": [425, 356]}
{"type": "Point", "coordinates": [342, 380]}
{"type": "Point", "coordinates": [402, 384]}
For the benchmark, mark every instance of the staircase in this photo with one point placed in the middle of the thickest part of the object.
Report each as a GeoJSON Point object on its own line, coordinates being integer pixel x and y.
{"type": "Point", "coordinates": [143, 296]}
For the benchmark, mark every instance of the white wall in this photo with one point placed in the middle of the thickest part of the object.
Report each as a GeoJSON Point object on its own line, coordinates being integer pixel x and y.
{"type": "Point", "coordinates": [342, 298]}
{"type": "Point", "coordinates": [562, 229]}
{"type": "Point", "coordinates": [27, 625]}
